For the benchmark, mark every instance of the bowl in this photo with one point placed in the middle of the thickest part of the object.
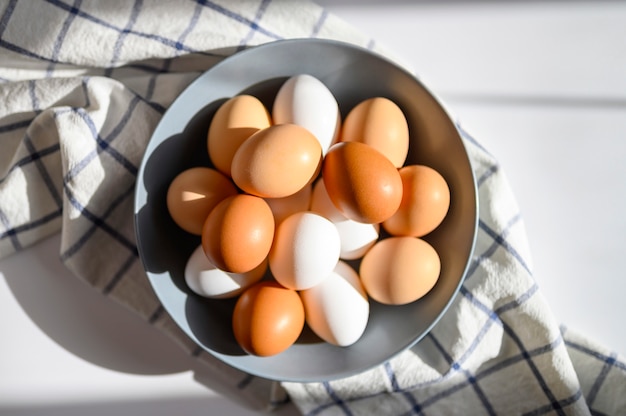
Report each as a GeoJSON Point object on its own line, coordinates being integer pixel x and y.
{"type": "Point", "coordinates": [353, 74]}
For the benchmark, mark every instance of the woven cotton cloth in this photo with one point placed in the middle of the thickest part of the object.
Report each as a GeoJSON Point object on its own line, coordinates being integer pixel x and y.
{"type": "Point", "coordinates": [82, 86]}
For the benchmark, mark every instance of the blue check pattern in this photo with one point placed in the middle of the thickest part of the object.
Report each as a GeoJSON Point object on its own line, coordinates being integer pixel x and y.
{"type": "Point", "coordinates": [82, 91]}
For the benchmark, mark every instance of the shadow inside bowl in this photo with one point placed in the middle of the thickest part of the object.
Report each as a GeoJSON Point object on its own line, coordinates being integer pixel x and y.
{"type": "Point", "coordinates": [168, 245]}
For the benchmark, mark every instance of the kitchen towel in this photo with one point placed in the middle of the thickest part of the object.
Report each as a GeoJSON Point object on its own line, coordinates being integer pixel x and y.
{"type": "Point", "coordinates": [82, 86]}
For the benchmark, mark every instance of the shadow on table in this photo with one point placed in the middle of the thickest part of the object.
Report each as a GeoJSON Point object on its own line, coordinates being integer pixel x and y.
{"type": "Point", "coordinates": [82, 320]}
{"type": "Point", "coordinates": [189, 406]}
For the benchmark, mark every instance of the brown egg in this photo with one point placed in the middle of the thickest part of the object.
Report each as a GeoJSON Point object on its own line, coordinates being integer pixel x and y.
{"type": "Point", "coordinates": [362, 183]}
{"type": "Point", "coordinates": [380, 123]}
{"type": "Point", "coordinates": [194, 193]}
{"type": "Point", "coordinates": [277, 161]}
{"type": "Point", "coordinates": [399, 270]}
{"type": "Point", "coordinates": [238, 233]}
{"type": "Point", "coordinates": [236, 120]}
{"type": "Point", "coordinates": [267, 319]}
{"type": "Point", "coordinates": [284, 207]}
{"type": "Point", "coordinates": [425, 202]}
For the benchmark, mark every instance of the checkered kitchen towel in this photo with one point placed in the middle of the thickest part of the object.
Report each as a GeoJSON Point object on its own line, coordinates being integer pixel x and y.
{"type": "Point", "coordinates": [82, 86]}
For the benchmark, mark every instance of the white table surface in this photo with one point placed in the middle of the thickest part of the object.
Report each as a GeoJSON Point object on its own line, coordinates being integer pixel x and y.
{"type": "Point", "coordinates": [541, 85]}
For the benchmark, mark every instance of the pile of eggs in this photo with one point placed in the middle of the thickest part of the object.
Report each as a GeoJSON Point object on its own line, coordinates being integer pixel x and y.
{"type": "Point", "coordinates": [301, 193]}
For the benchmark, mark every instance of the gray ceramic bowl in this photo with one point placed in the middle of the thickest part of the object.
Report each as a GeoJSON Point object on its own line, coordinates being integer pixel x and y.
{"type": "Point", "coordinates": [352, 74]}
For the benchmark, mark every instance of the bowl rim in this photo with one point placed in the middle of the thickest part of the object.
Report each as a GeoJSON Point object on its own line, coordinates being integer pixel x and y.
{"type": "Point", "coordinates": [139, 203]}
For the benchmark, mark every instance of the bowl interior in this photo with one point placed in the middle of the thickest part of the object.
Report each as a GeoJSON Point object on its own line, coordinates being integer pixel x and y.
{"type": "Point", "coordinates": [179, 142]}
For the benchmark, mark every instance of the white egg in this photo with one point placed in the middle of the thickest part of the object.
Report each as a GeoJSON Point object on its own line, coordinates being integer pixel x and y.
{"type": "Point", "coordinates": [337, 309]}
{"type": "Point", "coordinates": [306, 249]}
{"type": "Point", "coordinates": [306, 101]}
{"type": "Point", "coordinates": [205, 279]}
{"type": "Point", "coordinates": [355, 237]}
{"type": "Point", "coordinates": [284, 207]}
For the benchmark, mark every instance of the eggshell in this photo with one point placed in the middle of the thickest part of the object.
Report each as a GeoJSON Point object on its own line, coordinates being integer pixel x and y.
{"type": "Point", "coordinates": [306, 249]}
{"type": "Point", "coordinates": [399, 270]}
{"type": "Point", "coordinates": [361, 182]}
{"type": "Point", "coordinates": [380, 123]}
{"type": "Point", "coordinates": [304, 100]}
{"type": "Point", "coordinates": [284, 207]}
{"type": "Point", "coordinates": [267, 319]}
{"type": "Point", "coordinates": [337, 309]}
{"type": "Point", "coordinates": [277, 161]}
{"type": "Point", "coordinates": [194, 193]}
{"type": "Point", "coordinates": [237, 235]}
{"type": "Point", "coordinates": [355, 237]}
{"type": "Point", "coordinates": [425, 202]}
{"type": "Point", "coordinates": [234, 121]}
{"type": "Point", "coordinates": [205, 279]}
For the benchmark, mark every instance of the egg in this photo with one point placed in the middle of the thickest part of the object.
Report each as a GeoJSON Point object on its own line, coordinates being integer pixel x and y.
{"type": "Point", "coordinates": [194, 193]}
{"type": "Point", "coordinates": [361, 182]}
{"type": "Point", "coordinates": [380, 123]}
{"type": "Point", "coordinates": [399, 270]}
{"type": "Point", "coordinates": [425, 202]}
{"type": "Point", "coordinates": [337, 309]}
{"type": "Point", "coordinates": [238, 233]}
{"type": "Point", "coordinates": [206, 280]}
{"type": "Point", "coordinates": [284, 207]}
{"type": "Point", "coordinates": [304, 100]}
{"type": "Point", "coordinates": [277, 161]}
{"type": "Point", "coordinates": [306, 249]}
{"type": "Point", "coordinates": [234, 121]}
{"type": "Point", "coordinates": [355, 237]}
{"type": "Point", "coordinates": [267, 319]}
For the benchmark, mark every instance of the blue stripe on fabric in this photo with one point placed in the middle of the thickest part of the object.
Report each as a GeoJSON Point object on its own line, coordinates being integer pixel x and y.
{"type": "Point", "coordinates": [518, 301]}
{"type": "Point", "coordinates": [32, 93]}
{"type": "Point", "coordinates": [58, 44]}
{"type": "Point", "coordinates": [505, 244]}
{"type": "Point", "coordinates": [93, 19]}
{"type": "Point", "coordinates": [392, 376]}
{"type": "Point", "coordinates": [29, 226]}
{"type": "Point", "coordinates": [596, 354]}
{"type": "Point", "coordinates": [501, 365]}
{"type": "Point", "coordinates": [521, 357]}
{"type": "Point", "coordinates": [19, 50]}
{"type": "Point", "coordinates": [319, 24]}
{"type": "Point", "coordinates": [192, 24]}
{"type": "Point", "coordinates": [4, 21]}
{"type": "Point", "coordinates": [239, 18]}
{"type": "Point", "coordinates": [470, 378]}
{"type": "Point", "coordinates": [98, 221]}
{"type": "Point", "coordinates": [396, 388]}
{"type": "Point", "coordinates": [338, 401]}
{"type": "Point", "coordinates": [32, 157]}
{"type": "Point", "coordinates": [245, 382]}
{"type": "Point", "coordinates": [15, 126]}
{"type": "Point", "coordinates": [158, 312]}
{"type": "Point", "coordinates": [487, 174]}
{"type": "Point", "coordinates": [117, 48]}
{"type": "Point", "coordinates": [255, 23]}
{"type": "Point", "coordinates": [78, 244]}
{"type": "Point", "coordinates": [491, 370]}
{"type": "Point", "coordinates": [465, 134]}
{"type": "Point", "coordinates": [45, 175]}
{"type": "Point", "coordinates": [477, 261]}
{"type": "Point", "coordinates": [103, 144]}
{"type": "Point", "coordinates": [509, 331]}
{"type": "Point", "coordinates": [556, 405]}
{"type": "Point", "coordinates": [10, 232]}
{"type": "Point", "coordinates": [119, 275]}
{"type": "Point", "coordinates": [595, 388]}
